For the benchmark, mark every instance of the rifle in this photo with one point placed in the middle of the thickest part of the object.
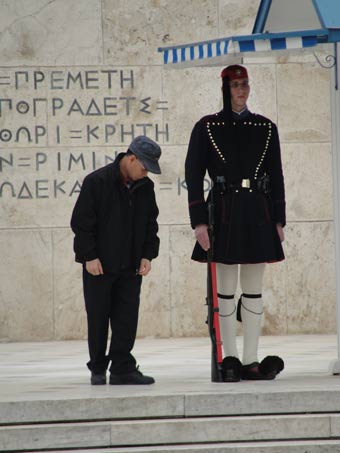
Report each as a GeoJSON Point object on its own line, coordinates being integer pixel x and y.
{"type": "Point", "coordinates": [211, 299]}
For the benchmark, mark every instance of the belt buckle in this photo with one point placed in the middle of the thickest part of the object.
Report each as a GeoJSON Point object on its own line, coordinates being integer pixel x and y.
{"type": "Point", "coordinates": [245, 183]}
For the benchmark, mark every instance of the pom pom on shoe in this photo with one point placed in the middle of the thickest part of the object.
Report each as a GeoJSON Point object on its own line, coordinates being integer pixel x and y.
{"type": "Point", "coordinates": [271, 366]}
{"type": "Point", "coordinates": [231, 369]}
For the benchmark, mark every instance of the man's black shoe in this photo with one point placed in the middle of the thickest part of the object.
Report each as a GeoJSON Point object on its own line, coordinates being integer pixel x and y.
{"type": "Point", "coordinates": [98, 379]}
{"type": "Point", "coordinates": [136, 377]}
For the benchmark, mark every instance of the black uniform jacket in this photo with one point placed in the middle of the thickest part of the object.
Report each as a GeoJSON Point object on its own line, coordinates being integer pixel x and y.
{"type": "Point", "coordinates": [245, 217]}
{"type": "Point", "coordinates": [111, 221]}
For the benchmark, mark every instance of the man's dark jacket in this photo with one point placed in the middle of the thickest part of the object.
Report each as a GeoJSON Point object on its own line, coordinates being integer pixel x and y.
{"type": "Point", "coordinates": [107, 215]}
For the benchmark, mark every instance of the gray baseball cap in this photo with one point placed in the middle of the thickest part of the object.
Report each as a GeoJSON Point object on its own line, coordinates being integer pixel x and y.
{"type": "Point", "coordinates": [148, 152]}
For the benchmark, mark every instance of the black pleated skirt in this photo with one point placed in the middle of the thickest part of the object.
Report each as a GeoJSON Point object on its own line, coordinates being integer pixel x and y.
{"type": "Point", "coordinates": [244, 230]}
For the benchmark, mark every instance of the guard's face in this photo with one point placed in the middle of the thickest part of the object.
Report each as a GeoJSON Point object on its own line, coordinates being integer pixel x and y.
{"type": "Point", "coordinates": [239, 93]}
{"type": "Point", "coordinates": [136, 169]}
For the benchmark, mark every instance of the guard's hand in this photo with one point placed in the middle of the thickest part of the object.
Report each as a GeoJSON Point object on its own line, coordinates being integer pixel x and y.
{"type": "Point", "coordinates": [94, 267]}
{"type": "Point", "coordinates": [280, 232]}
{"type": "Point", "coordinates": [144, 267]}
{"type": "Point", "coordinates": [202, 236]}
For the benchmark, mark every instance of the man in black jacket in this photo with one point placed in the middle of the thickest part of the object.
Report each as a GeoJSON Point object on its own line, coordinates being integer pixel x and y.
{"type": "Point", "coordinates": [115, 225]}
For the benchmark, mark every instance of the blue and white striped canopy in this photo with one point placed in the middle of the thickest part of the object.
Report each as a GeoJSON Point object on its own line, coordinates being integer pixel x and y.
{"type": "Point", "coordinates": [238, 45]}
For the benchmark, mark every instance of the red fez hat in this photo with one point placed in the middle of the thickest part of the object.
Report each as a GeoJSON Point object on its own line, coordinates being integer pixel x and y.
{"type": "Point", "coordinates": [234, 72]}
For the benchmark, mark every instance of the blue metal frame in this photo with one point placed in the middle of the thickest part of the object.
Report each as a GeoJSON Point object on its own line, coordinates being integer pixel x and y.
{"type": "Point", "coordinates": [261, 16]}
{"type": "Point", "coordinates": [321, 33]}
{"type": "Point", "coordinates": [322, 36]}
{"type": "Point", "coordinates": [318, 12]}
{"type": "Point", "coordinates": [328, 12]}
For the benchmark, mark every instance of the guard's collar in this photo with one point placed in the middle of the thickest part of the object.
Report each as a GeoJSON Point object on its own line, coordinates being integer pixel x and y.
{"type": "Point", "coordinates": [238, 116]}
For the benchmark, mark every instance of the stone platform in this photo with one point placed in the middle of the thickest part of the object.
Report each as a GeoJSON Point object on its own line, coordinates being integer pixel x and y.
{"type": "Point", "coordinates": [47, 403]}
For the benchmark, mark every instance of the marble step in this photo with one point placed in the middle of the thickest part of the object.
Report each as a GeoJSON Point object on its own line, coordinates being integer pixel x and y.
{"type": "Point", "coordinates": [133, 433]}
{"type": "Point", "coordinates": [226, 403]}
{"type": "Point", "coordinates": [303, 446]}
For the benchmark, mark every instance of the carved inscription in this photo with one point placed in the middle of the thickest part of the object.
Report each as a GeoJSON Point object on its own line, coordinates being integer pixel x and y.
{"type": "Point", "coordinates": [47, 115]}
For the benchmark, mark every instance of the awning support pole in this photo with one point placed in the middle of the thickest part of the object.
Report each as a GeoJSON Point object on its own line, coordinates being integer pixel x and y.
{"type": "Point", "coordinates": [336, 70]}
{"type": "Point", "coordinates": [335, 114]}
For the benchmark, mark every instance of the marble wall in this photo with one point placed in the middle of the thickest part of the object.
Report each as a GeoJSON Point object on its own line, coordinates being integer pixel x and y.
{"type": "Point", "coordinates": [78, 80]}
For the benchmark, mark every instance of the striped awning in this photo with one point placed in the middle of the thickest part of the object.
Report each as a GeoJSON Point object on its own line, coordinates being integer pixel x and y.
{"type": "Point", "coordinates": [189, 54]}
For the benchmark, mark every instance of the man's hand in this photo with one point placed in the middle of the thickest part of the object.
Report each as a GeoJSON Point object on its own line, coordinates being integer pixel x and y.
{"type": "Point", "coordinates": [94, 267]}
{"type": "Point", "coordinates": [280, 232]}
{"type": "Point", "coordinates": [201, 233]}
{"type": "Point", "coordinates": [144, 267]}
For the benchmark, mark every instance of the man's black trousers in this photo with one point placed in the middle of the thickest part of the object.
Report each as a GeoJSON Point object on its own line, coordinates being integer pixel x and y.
{"type": "Point", "coordinates": [112, 299]}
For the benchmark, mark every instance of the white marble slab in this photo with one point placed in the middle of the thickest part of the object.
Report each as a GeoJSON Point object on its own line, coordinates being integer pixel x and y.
{"type": "Point", "coordinates": [44, 32]}
{"type": "Point", "coordinates": [188, 285]}
{"type": "Point", "coordinates": [133, 34]}
{"type": "Point", "coordinates": [310, 277]}
{"type": "Point", "coordinates": [55, 436]}
{"type": "Point", "coordinates": [155, 307]}
{"type": "Point", "coordinates": [304, 107]}
{"type": "Point", "coordinates": [69, 307]}
{"type": "Point", "coordinates": [26, 294]}
{"type": "Point", "coordinates": [221, 429]}
{"type": "Point", "coordinates": [312, 446]}
{"type": "Point", "coordinates": [308, 181]}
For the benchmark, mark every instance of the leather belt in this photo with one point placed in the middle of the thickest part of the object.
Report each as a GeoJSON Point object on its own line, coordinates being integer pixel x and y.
{"type": "Point", "coordinates": [243, 184]}
{"type": "Point", "coordinates": [221, 185]}
{"type": "Point", "coordinates": [261, 184]}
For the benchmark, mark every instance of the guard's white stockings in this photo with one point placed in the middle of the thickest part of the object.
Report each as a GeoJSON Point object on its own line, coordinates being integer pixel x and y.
{"type": "Point", "coordinates": [226, 287]}
{"type": "Point", "coordinates": [251, 276]}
